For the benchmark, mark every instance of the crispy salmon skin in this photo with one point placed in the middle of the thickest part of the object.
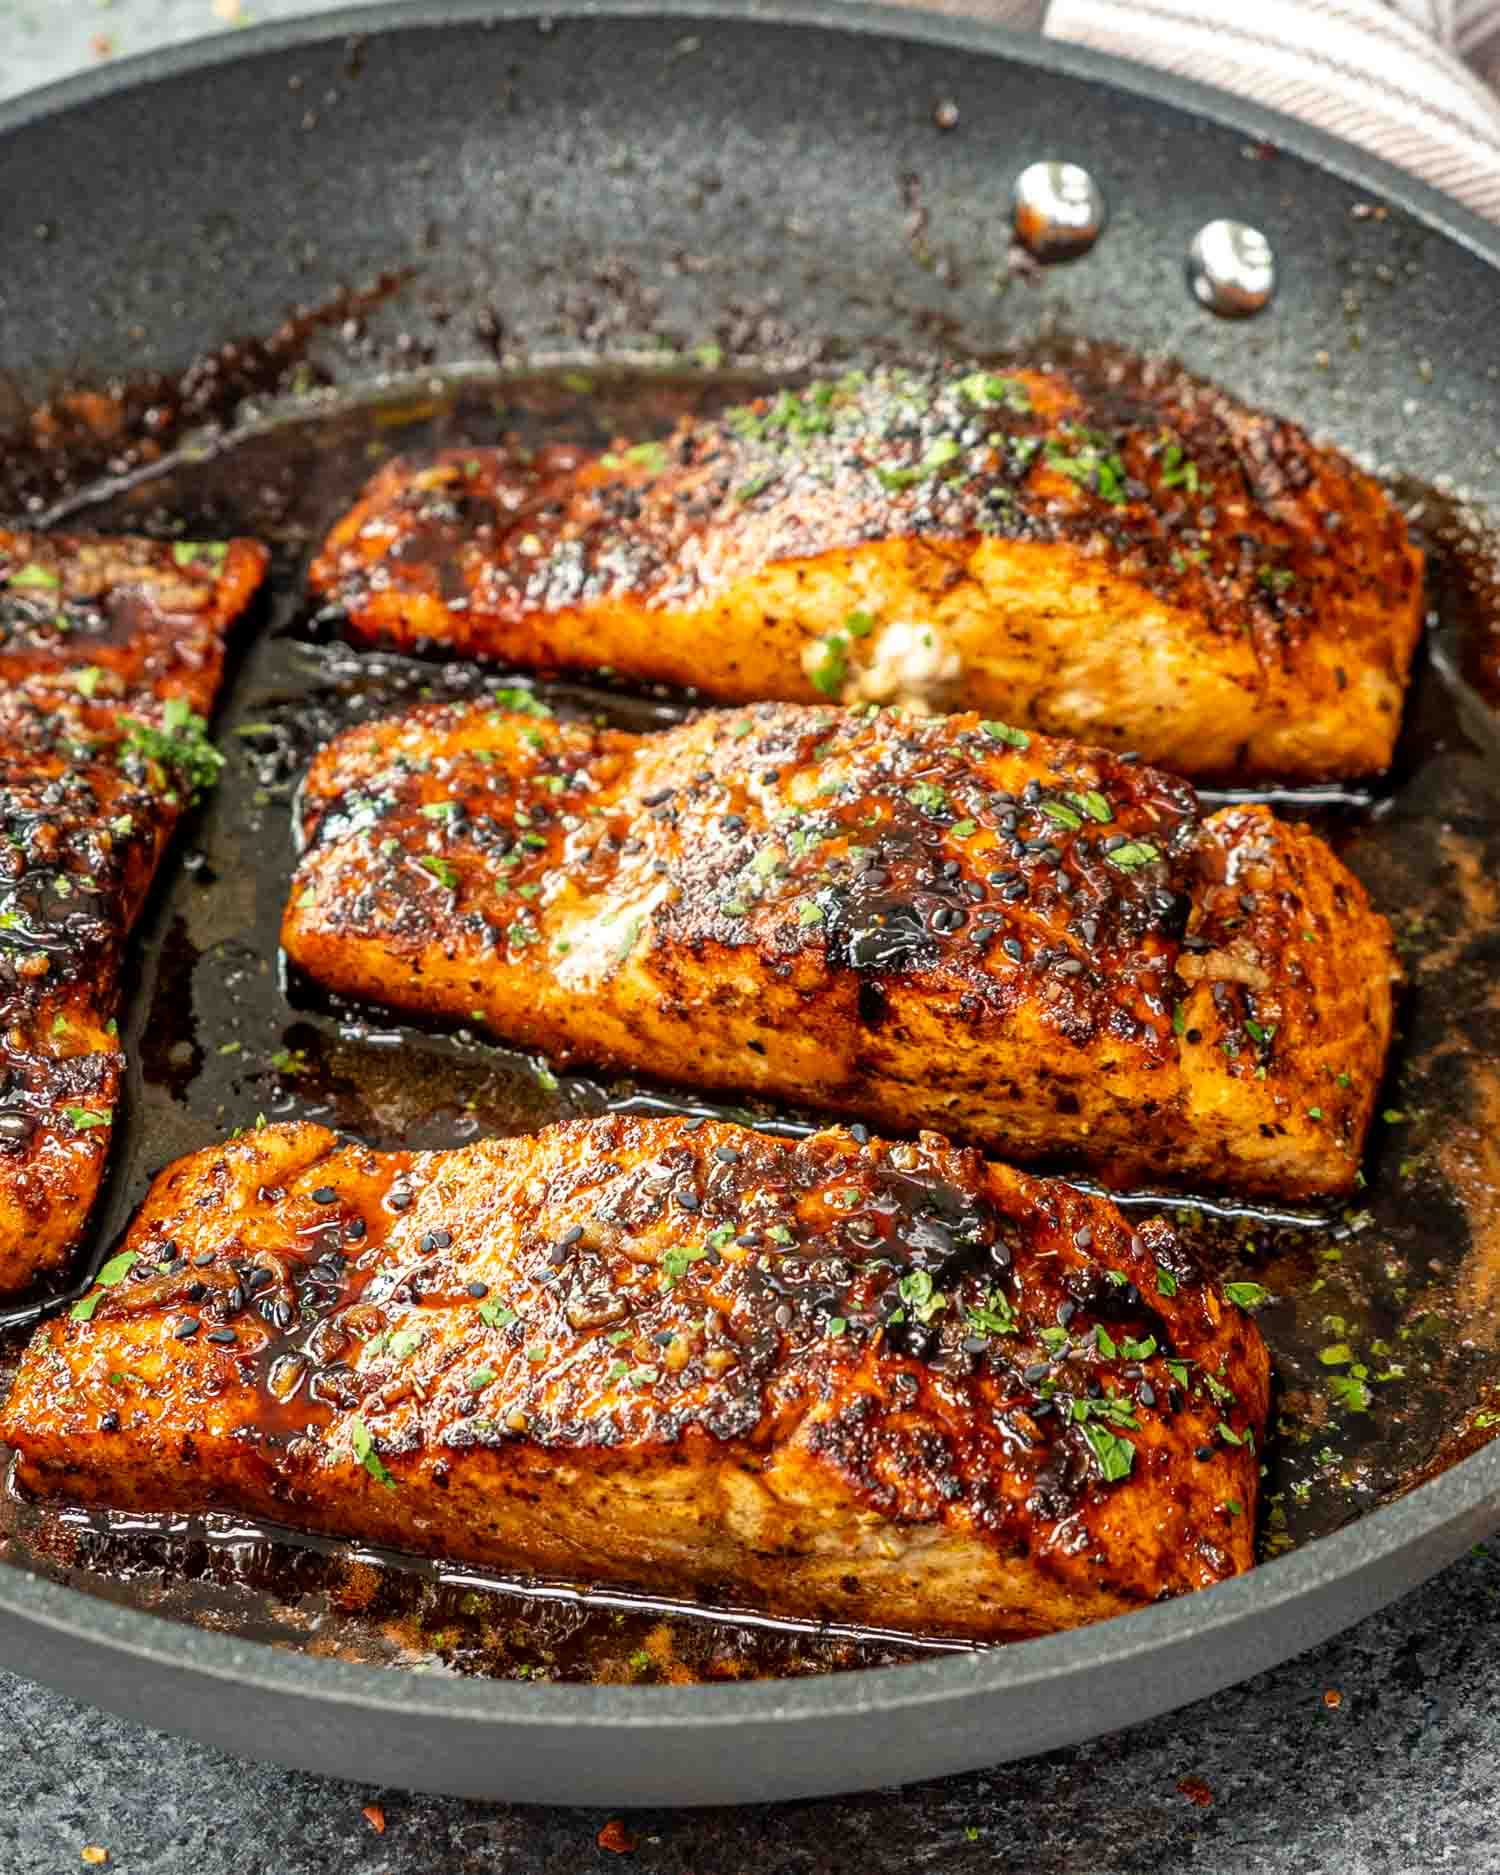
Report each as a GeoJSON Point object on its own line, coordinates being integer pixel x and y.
{"type": "Point", "coordinates": [943, 922]}
{"type": "Point", "coordinates": [879, 1383]}
{"type": "Point", "coordinates": [1130, 558]}
{"type": "Point", "coordinates": [111, 653]}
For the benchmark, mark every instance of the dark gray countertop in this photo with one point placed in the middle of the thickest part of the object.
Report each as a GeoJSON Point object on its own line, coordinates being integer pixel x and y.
{"type": "Point", "coordinates": [1378, 1752]}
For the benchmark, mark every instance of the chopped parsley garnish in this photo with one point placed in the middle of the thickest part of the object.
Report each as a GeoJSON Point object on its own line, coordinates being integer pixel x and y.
{"type": "Point", "coordinates": [837, 1326]}
{"type": "Point", "coordinates": [364, 1451]}
{"type": "Point", "coordinates": [480, 1379]}
{"type": "Point", "coordinates": [1093, 804]}
{"type": "Point", "coordinates": [1134, 1350]}
{"type": "Point", "coordinates": [1133, 855]}
{"type": "Point", "coordinates": [1116, 1456]}
{"type": "Point", "coordinates": [1105, 1343]}
{"type": "Point", "coordinates": [181, 745]}
{"type": "Point", "coordinates": [496, 1314]}
{"type": "Point", "coordinates": [676, 1262]}
{"type": "Point", "coordinates": [34, 578]}
{"type": "Point", "coordinates": [1246, 1295]}
{"type": "Point", "coordinates": [87, 680]}
{"type": "Point", "coordinates": [757, 485]}
{"type": "Point", "coordinates": [859, 624]}
{"type": "Point", "coordinates": [994, 1316]}
{"type": "Point", "coordinates": [809, 912]}
{"type": "Point", "coordinates": [1064, 815]}
{"type": "Point", "coordinates": [212, 553]}
{"type": "Point", "coordinates": [1348, 1391]}
{"type": "Point", "coordinates": [439, 810]}
{"type": "Point", "coordinates": [943, 452]}
{"type": "Point", "coordinates": [652, 456]}
{"type": "Point", "coordinates": [1090, 465]}
{"type": "Point", "coordinates": [928, 796]}
{"type": "Point", "coordinates": [830, 672]}
{"type": "Point", "coordinates": [916, 1291]}
{"type": "Point", "coordinates": [445, 874]}
{"type": "Point", "coordinates": [1002, 732]}
{"type": "Point", "coordinates": [986, 388]}
{"type": "Point", "coordinates": [110, 1273]}
{"type": "Point", "coordinates": [1166, 1282]}
{"type": "Point", "coordinates": [628, 941]}
{"type": "Point", "coordinates": [83, 1119]}
{"type": "Point", "coordinates": [1178, 470]}
{"type": "Point", "coordinates": [522, 702]}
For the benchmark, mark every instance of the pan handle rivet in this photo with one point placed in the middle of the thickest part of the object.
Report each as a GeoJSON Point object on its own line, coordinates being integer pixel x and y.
{"type": "Point", "coordinates": [1058, 210]}
{"type": "Point", "coordinates": [1231, 269]}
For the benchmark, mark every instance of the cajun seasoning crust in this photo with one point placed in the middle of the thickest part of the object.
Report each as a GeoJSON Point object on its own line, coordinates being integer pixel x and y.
{"type": "Point", "coordinates": [884, 1383]}
{"type": "Point", "coordinates": [110, 650]}
{"type": "Point", "coordinates": [1042, 948]}
{"type": "Point", "coordinates": [1135, 559]}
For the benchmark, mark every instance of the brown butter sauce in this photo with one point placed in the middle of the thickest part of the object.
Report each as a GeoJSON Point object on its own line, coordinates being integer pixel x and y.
{"type": "Point", "coordinates": [215, 1040]}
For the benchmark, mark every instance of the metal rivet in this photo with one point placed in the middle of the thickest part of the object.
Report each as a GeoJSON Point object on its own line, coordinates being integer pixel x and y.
{"type": "Point", "coordinates": [1231, 269]}
{"type": "Point", "coordinates": [1058, 210]}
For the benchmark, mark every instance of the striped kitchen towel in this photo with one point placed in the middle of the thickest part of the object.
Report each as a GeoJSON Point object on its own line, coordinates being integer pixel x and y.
{"type": "Point", "coordinates": [1415, 81]}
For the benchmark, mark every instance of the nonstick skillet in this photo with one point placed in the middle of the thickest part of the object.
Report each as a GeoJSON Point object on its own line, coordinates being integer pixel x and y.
{"type": "Point", "coordinates": [419, 189]}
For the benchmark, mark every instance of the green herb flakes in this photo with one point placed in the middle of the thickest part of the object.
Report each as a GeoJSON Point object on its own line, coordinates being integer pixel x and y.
{"type": "Point", "coordinates": [1246, 1295]}
{"type": "Point", "coordinates": [447, 875]}
{"type": "Point", "coordinates": [1115, 1456]}
{"type": "Point", "coordinates": [1002, 732]}
{"type": "Point", "coordinates": [364, 1451]}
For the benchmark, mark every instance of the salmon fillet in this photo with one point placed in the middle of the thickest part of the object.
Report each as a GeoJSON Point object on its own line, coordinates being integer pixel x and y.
{"type": "Point", "coordinates": [1137, 561]}
{"type": "Point", "coordinates": [943, 922]}
{"type": "Point", "coordinates": [111, 653]}
{"type": "Point", "coordinates": [880, 1383]}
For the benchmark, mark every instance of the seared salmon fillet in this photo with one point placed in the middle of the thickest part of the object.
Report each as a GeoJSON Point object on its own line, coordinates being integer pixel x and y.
{"type": "Point", "coordinates": [889, 1384]}
{"type": "Point", "coordinates": [111, 652]}
{"type": "Point", "coordinates": [922, 921]}
{"type": "Point", "coordinates": [1135, 560]}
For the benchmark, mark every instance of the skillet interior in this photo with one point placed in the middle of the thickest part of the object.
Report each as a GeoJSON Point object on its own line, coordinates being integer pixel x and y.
{"type": "Point", "coordinates": [563, 219]}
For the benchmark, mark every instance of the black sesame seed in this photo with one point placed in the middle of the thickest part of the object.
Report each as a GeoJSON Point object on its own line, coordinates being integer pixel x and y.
{"type": "Point", "coordinates": [399, 1200]}
{"type": "Point", "coordinates": [195, 1292]}
{"type": "Point", "coordinates": [325, 1194]}
{"type": "Point", "coordinates": [1038, 1370]}
{"type": "Point", "coordinates": [858, 1132]}
{"type": "Point", "coordinates": [689, 1200]}
{"type": "Point", "coordinates": [656, 799]}
{"type": "Point", "coordinates": [110, 1422]}
{"type": "Point", "coordinates": [974, 1344]}
{"type": "Point", "coordinates": [1083, 1236]}
{"type": "Point", "coordinates": [1069, 967]}
{"type": "Point", "coordinates": [1065, 1312]}
{"type": "Point", "coordinates": [732, 823]}
{"type": "Point", "coordinates": [223, 1337]}
{"type": "Point", "coordinates": [691, 1126]}
{"type": "Point", "coordinates": [259, 1278]}
{"type": "Point", "coordinates": [355, 1229]}
{"type": "Point", "coordinates": [1146, 1393]}
{"type": "Point", "coordinates": [202, 1262]}
{"type": "Point", "coordinates": [1203, 1453]}
{"type": "Point", "coordinates": [187, 1328]}
{"type": "Point", "coordinates": [477, 1290]}
{"type": "Point", "coordinates": [1012, 948]}
{"type": "Point", "coordinates": [749, 1240]}
{"type": "Point", "coordinates": [727, 1155]}
{"type": "Point", "coordinates": [281, 1315]}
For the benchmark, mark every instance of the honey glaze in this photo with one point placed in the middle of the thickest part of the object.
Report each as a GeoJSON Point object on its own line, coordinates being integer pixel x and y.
{"type": "Point", "coordinates": [1384, 1358]}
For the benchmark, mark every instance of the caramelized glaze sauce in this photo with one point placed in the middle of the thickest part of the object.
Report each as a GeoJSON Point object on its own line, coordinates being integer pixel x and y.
{"type": "Point", "coordinates": [1383, 1363]}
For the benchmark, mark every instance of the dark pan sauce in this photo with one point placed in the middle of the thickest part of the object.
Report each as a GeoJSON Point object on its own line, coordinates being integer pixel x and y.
{"type": "Point", "coordinates": [1385, 1327]}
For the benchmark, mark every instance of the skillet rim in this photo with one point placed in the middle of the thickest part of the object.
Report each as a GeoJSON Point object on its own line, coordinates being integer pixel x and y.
{"type": "Point", "coordinates": [1407, 1540]}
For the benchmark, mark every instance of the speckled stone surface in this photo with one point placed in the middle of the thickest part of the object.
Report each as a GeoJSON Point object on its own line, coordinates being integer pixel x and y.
{"type": "Point", "coordinates": [1379, 1754]}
